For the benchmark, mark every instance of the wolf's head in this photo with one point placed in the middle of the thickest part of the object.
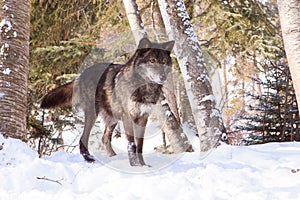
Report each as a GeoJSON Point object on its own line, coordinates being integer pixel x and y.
{"type": "Point", "coordinates": [152, 61]}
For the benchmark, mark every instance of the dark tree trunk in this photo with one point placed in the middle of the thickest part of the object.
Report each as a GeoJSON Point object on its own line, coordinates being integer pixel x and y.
{"type": "Point", "coordinates": [14, 66]}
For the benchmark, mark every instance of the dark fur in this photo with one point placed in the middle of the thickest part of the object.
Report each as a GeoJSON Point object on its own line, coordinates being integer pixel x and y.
{"type": "Point", "coordinates": [60, 96]}
{"type": "Point", "coordinates": [118, 92]}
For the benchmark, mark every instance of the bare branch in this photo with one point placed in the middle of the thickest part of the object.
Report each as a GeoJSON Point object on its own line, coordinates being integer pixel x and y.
{"type": "Point", "coordinates": [51, 180]}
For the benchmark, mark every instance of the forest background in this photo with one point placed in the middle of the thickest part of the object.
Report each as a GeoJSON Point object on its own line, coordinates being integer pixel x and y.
{"type": "Point", "coordinates": [241, 42]}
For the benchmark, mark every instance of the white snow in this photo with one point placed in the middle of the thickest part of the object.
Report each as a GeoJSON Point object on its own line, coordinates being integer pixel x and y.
{"type": "Point", "coordinates": [5, 7]}
{"type": "Point", "coordinates": [183, 135]}
{"type": "Point", "coordinates": [168, 113]}
{"type": "Point", "coordinates": [2, 51]}
{"type": "Point", "coordinates": [6, 71]}
{"type": "Point", "coordinates": [203, 78]}
{"type": "Point", "coordinates": [266, 171]}
{"type": "Point", "coordinates": [183, 14]}
{"type": "Point", "coordinates": [3, 48]}
{"type": "Point", "coordinates": [208, 98]}
{"type": "Point", "coordinates": [2, 94]}
{"type": "Point", "coordinates": [164, 102]}
{"type": "Point", "coordinates": [5, 23]}
{"type": "Point", "coordinates": [215, 113]}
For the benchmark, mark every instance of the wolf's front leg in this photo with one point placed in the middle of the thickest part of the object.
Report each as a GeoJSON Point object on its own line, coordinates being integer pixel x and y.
{"type": "Point", "coordinates": [139, 151]}
{"type": "Point", "coordinates": [139, 127]}
{"type": "Point", "coordinates": [135, 159]}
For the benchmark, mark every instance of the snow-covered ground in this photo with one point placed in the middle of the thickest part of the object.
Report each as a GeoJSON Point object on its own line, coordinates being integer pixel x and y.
{"type": "Point", "coordinates": [266, 172]}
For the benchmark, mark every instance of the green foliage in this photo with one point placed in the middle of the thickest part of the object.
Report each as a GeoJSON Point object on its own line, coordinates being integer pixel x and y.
{"type": "Point", "coordinates": [275, 115]}
{"type": "Point", "coordinates": [240, 27]}
{"type": "Point", "coordinates": [62, 34]}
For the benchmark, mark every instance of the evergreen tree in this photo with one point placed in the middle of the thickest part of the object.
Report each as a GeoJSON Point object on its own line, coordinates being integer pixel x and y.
{"type": "Point", "coordinates": [275, 115]}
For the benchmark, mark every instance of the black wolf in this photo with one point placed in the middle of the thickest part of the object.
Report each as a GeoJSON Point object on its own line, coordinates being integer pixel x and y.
{"type": "Point", "coordinates": [124, 92]}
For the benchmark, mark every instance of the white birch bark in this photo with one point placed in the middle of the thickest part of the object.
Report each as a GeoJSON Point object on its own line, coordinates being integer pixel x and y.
{"type": "Point", "coordinates": [135, 21]}
{"type": "Point", "coordinates": [289, 11]}
{"type": "Point", "coordinates": [208, 119]}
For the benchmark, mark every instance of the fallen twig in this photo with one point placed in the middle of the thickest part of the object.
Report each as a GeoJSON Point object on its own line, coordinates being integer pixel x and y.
{"type": "Point", "coordinates": [51, 180]}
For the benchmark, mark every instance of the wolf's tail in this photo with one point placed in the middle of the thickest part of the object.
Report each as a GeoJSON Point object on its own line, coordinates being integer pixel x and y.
{"type": "Point", "coordinates": [60, 96]}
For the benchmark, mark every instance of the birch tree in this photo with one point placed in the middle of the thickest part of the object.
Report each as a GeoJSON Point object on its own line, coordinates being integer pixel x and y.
{"type": "Point", "coordinates": [170, 122]}
{"type": "Point", "coordinates": [289, 12]}
{"type": "Point", "coordinates": [14, 65]}
{"type": "Point", "coordinates": [208, 119]}
{"type": "Point", "coordinates": [135, 21]}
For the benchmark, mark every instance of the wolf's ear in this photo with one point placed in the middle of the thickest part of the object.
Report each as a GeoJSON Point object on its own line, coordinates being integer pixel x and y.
{"type": "Point", "coordinates": [168, 46]}
{"type": "Point", "coordinates": [144, 43]}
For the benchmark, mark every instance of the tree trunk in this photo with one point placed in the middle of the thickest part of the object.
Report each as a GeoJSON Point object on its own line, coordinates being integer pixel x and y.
{"type": "Point", "coordinates": [14, 66]}
{"type": "Point", "coordinates": [172, 128]}
{"type": "Point", "coordinates": [187, 49]}
{"type": "Point", "coordinates": [226, 104]}
{"type": "Point", "coordinates": [135, 21]}
{"type": "Point", "coordinates": [289, 12]}
{"type": "Point", "coordinates": [157, 21]}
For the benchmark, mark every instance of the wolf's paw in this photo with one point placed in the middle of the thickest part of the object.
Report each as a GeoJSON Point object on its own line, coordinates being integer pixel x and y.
{"type": "Point", "coordinates": [109, 150]}
{"type": "Point", "coordinates": [89, 158]}
{"type": "Point", "coordinates": [135, 163]}
{"type": "Point", "coordinates": [139, 164]}
{"type": "Point", "coordinates": [137, 160]}
{"type": "Point", "coordinates": [111, 153]}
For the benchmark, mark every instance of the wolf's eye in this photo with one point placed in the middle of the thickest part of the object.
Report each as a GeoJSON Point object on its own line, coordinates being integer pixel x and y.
{"type": "Point", "coordinates": [152, 60]}
{"type": "Point", "coordinates": [164, 62]}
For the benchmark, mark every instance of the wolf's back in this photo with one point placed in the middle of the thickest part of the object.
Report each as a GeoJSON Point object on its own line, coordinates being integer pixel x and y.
{"type": "Point", "coordinates": [80, 92]}
{"type": "Point", "coordinates": [60, 96]}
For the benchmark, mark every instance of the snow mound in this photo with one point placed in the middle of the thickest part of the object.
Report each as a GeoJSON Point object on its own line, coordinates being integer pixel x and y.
{"type": "Point", "coordinates": [14, 152]}
{"type": "Point", "coordinates": [268, 171]}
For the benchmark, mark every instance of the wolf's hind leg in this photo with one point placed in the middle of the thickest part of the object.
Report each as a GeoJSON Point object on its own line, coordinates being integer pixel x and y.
{"type": "Point", "coordinates": [89, 121]}
{"type": "Point", "coordinates": [106, 138]}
